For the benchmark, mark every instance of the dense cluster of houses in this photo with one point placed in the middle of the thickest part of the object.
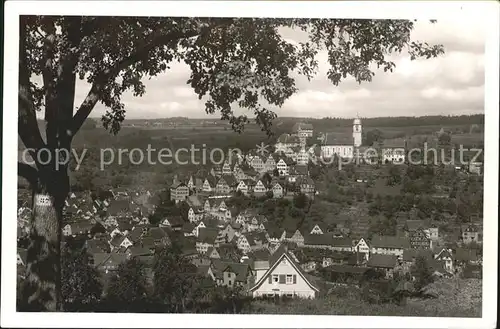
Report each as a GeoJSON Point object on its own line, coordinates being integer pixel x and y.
{"type": "Point", "coordinates": [244, 248]}
{"type": "Point", "coordinates": [240, 247]}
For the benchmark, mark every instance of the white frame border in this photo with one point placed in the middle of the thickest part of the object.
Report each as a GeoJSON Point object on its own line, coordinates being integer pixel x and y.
{"type": "Point", "coordinates": [488, 10]}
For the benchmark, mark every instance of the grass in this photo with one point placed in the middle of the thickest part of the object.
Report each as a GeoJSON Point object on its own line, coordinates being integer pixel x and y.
{"type": "Point", "coordinates": [457, 298]}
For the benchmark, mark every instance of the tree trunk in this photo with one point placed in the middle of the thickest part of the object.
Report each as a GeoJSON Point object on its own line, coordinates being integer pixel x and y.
{"type": "Point", "coordinates": [42, 291]}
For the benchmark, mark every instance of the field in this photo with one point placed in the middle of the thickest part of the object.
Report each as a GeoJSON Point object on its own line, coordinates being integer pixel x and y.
{"type": "Point", "coordinates": [457, 298]}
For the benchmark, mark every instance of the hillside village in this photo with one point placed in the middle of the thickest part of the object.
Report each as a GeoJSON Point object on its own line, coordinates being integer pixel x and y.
{"type": "Point", "coordinates": [234, 243]}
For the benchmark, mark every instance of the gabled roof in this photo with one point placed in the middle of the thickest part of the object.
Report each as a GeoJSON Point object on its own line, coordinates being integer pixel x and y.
{"type": "Point", "coordinates": [241, 270]}
{"type": "Point", "coordinates": [230, 180]}
{"type": "Point", "coordinates": [212, 181]}
{"type": "Point", "coordinates": [414, 224]}
{"type": "Point", "coordinates": [110, 258]}
{"type": "Point", "coordinates": [139, 251]}
{"type": "Point", "coordinates": [207, 235]}
{"type": "Point", "coordinates": [302, 126]}
{"type": "Point", "coordinates": [393, 143]}
{"type": "Point", "coordinates": [382, 261]}
{"type": "Point", "coordinates": [336, 139]}
{"type": "Point", "coordinates": [118, 206]}
{"type": "Point", "coordinates": [23, 254]}
{"type": "Point", "coordinates": [177, 185]}
{"type": "Point", "coordinates": [342, 242]}
{"type": "Point", "coordinates": [158, 233]}
{"type": "Point", "coordinates": [298, 170]}
{"type": "Point", "coordinates": [387, 241]}
{"type": "Point", "coordinates": [117, 240]}
{"type": "Point", "coordinates": [277, 260]}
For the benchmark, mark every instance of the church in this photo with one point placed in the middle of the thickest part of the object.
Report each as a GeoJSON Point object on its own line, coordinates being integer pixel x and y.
{"type": "Point", "coordinates": [342, 146]}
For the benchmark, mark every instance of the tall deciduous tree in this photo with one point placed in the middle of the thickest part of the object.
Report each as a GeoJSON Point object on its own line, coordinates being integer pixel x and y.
{"type": "Point", "coordinates": [234, 62]}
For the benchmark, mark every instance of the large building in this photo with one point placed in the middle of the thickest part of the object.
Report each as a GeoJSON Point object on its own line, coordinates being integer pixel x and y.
{"type": "Point", "coordinates": [304, 130]}
{"type": "Point", "coordinates": [340, 146]}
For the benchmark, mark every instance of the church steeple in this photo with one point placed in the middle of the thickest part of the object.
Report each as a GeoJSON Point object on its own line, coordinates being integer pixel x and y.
{"type": "Point", "coordinates": [357, 131]}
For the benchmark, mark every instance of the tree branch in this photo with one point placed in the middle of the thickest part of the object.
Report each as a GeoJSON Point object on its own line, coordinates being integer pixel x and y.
{"type": "Point", "coordinates": [28, 172]}
{"type": "Point", "coordinates": [159, 39]}
{"type": "Point", "coordinates": [27, 123]}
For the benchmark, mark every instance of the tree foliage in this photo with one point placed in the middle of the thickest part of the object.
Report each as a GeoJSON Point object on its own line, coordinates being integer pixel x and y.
{"type": "Point", "coordinates": [81, 287]}
{"type": "Point", "coordinates": [176, 282]}
{"type": "Point", "coordinates": [127, 289]}
{"type": "Point", "coordinates": [422, 273]}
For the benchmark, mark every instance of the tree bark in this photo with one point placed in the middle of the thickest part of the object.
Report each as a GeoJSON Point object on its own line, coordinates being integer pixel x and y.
{"type": "Point", "coordinates": [42, 291]}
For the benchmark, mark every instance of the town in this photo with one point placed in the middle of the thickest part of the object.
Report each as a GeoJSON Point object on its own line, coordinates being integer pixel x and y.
{"type": "Point", "coordinates": [287, 222]}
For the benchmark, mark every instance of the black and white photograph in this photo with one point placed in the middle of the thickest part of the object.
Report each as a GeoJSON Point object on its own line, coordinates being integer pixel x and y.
{"type": "Point", "coordinates": [250, 164]}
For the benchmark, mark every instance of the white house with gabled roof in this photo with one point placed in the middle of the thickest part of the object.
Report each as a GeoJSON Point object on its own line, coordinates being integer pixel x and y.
{"type": "Point", "coordinates": [284, 278]}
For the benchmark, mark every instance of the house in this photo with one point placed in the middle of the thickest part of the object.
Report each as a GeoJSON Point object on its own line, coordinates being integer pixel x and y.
{"type": "Point", "coordinates": [179, 192]}
{"type": "Point", "coordinates": [228, 232]}
{"type": "Point", "coordinates": [270, 163]}
{"type": "Point", "coordinates": [138, 251]}
{"type": "Point", "coordinates": [21, 257]}
{"type": "Point", "coordinates": [212, 253]}
{"type": "Point", "coordinates": [362, 247]}
{"type": "Point", "coordinates": [159, 236]}
{"type": "Point", "coordinates": [242, 187]}
{"type": "Point", "coordinates": [341, 244]}
{"type": "Point", "coordinates": [419, 239]}
{"type": "Point", "coordinates": [174, 222]}
{"type": "Point", "coordinates": [389, 245]}
{"type": "Point", "coordinates": [303, 130]}
{"type": "Point", "coordinates": [209, 184]}
{"type": "Point", "coordinates": [260, 189]}
{"type": "Point", "coordinates": [258, 163]}
{"type": "Point", "coordinates": [306, 185]}
{"type": "Point", "coordinates": [282, 167]}
{"type": "Point", "coordinates": [393, 151]}
{"type": "Point", "coordinates": [226, 168]}
{"type": "Point", "coordinates": [77, 228]}
{"type": "Point", "coordinates": [472, 233]}
{"type": "Point", "coordinates": [316, 230]}
{"type": "Point", "coordinates": [216, 170]}
{"type": "Point", "coordinates": [225, 185]}
{"type": "Point", "coordinates": [108, 262]}
{"type": "Point", "coordinates": [302, 156]}
{"type": "Point", "coordinates": [297, 171]}
{"type": "Point", "coordinates": [284, 277]}
{"type": "Point", "coordinates": [385, 263]}
{"type": "Point", "coordinates": [244, 243]}
{"type": "Point", "coordinates": [278, 190]}
{"type": "Point", "coordinates": [341, 146]}
{"type": "Point", "coordinates": [297, 238]}
{"type": "Point", "coordinates": [446, 256]}
{"type": "Point", "coordinates": [230, 274]}
{"type": "Point", "coordinates": [194, 214]}
{"type": "Point", "coordinates": [206, 238]}
{"type": "Point", "coordinates": [286, 141]}
{"type": "Point", "coordinates": [120, 241]}
{"type": "Point", "coordinates": [320, 241]}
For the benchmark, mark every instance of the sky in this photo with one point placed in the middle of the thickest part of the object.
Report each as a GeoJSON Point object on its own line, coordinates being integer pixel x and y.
{"type": "Point", "coordinates": [451, 84]}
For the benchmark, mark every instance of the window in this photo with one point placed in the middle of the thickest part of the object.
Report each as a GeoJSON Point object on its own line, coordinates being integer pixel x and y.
{"type": "Point", "coordinates": [229, 282]}
{"type": "Point", "coordinates": [275, 278]}
{"type": "Point", "coordinates": [289, 279]}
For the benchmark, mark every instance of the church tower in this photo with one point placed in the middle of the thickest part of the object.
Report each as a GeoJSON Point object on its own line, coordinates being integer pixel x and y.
{"type": "Point", "coordinates": [356, 132]}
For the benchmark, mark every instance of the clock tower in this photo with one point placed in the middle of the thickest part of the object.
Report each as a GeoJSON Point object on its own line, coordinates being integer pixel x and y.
{"type": "Point", "coordinates": [356, 132]}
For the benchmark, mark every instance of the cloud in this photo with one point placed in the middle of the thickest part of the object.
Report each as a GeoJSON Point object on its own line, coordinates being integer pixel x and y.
{"type": "Point", "coordinates": [450, 84]}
